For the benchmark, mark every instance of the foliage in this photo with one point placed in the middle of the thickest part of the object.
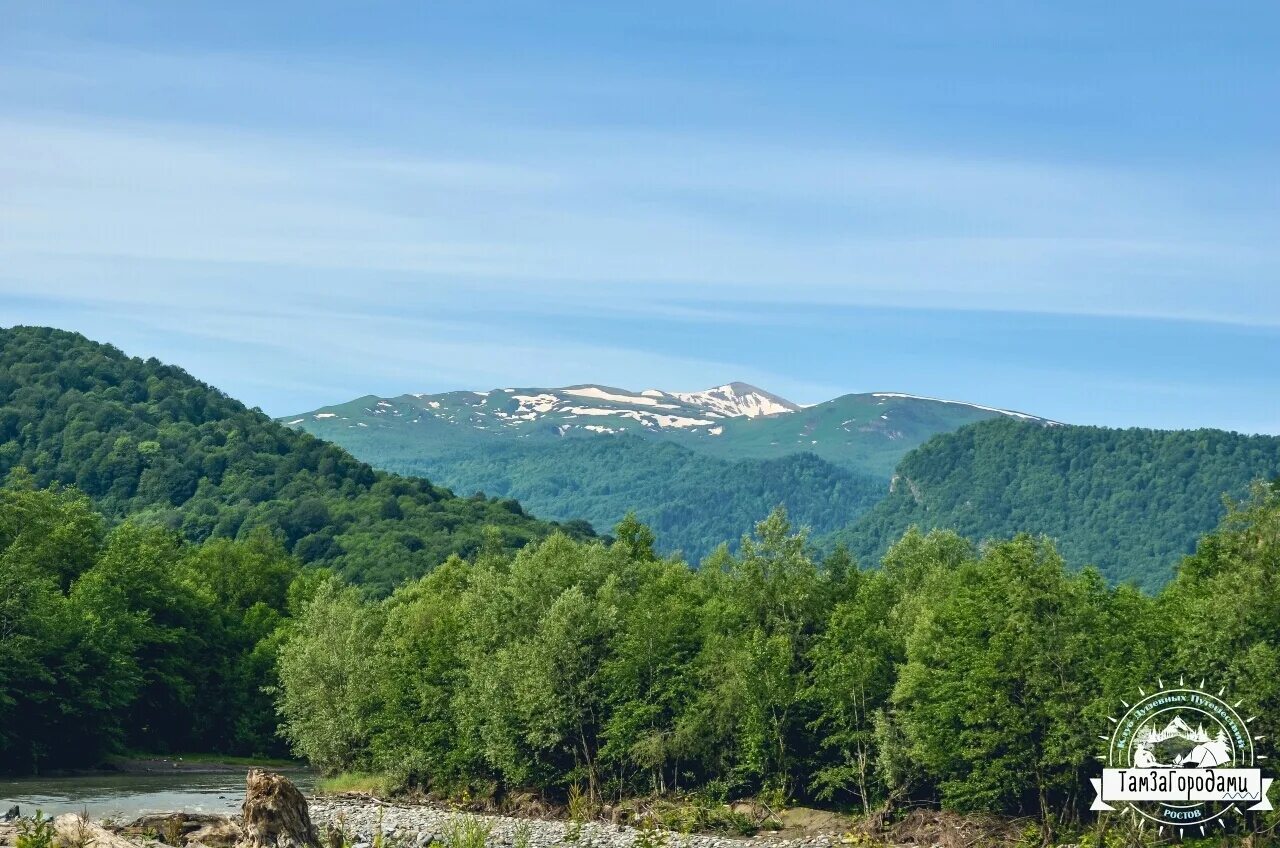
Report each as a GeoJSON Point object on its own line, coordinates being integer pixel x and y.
{"type": "Point", "coordinates": [522, 834]}
{"type": "Point", "coordinates": [149, 442]}
{"type": "Point", "coordinates": [1227, 594]}
{"type": "Point", "coordinates": [36, 832]}
{"type": "Point", "coordinates": [328, 667]}
{"type": "Point", "coordinates": [696, 487]}
{"type": "Point", "coordinates": [997, 697]}
{"type": "Point", "coordinates": [1130, 502]}
{"type": "Point", "coordinates": [864, 433]}
{"type": "Point", "coordinates": [466, 831]}
{"type": "Point", "coordinates": [971, 676]}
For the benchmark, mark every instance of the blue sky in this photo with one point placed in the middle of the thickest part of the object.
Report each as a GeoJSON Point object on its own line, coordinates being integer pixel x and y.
{"type": "Point", "coordinates": [1069, 209]}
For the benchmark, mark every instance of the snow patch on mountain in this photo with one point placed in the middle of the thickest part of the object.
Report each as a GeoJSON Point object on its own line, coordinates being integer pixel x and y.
{"type": "Point", "coordinates": [1011, 413]}
{"type": "Point", "coordinates": [539, 403]}
{"type": "Point", "coordinates": [734, 400]}
{"type": "Point", "coordinates": [597, 393]}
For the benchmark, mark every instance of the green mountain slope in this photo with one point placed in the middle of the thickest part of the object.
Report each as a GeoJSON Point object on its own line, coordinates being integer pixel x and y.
{"type": "Point", "coordinates": [147, 440]}
{"type": "Point", "coordinates": [699, 466]}
{"type": "Point", "coordinates": [690, 500]}
{"type": "Point", "coordinates": [1129, 501]}
{"type": "Point", "coordinates": [868, 432]}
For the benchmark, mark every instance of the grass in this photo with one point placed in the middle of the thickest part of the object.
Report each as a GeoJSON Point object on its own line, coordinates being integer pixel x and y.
{"type": "Point", "coordinates": [359, 782]}
{"type": "Point", "coordinates": [466, 831]}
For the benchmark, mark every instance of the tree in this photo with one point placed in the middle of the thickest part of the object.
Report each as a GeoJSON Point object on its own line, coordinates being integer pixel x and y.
{"type": "Point", "coordinates": [763, 609]}
{"type": "Point", "coordinates": [328, 700]}
{"type": "Point", "coordinates": [1009, 672]}
{"type": "Point", "coordinates": [854, 667]}
{"type": "Point", "coordinates": [1226, 602]}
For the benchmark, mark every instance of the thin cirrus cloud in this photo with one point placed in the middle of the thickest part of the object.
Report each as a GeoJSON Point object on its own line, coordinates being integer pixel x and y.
{"type": "Point", "coordinates": [887, 228]}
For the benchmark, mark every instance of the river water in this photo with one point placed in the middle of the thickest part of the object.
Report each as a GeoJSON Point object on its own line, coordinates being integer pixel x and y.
{"type": "Point", "coordinates": [126, 796]}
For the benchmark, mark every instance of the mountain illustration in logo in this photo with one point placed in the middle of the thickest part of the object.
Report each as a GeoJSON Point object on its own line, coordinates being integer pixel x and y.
{"type": "Point", "coordinates": [1178, 745]}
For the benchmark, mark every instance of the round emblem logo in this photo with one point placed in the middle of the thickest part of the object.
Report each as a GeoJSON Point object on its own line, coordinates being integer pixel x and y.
{"type": "Point", "coordinates": [1181, 758]}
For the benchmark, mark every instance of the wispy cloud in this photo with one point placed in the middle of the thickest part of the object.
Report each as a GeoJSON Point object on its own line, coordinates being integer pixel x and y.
{"type": "Point", "coordinates": [842, 227]}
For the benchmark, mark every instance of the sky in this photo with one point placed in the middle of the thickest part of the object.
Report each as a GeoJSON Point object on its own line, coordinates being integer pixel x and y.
{"type": "Point", "coordinates": [1069, 209]}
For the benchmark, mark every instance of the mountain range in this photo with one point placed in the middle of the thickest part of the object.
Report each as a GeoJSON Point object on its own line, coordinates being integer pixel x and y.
{"type": "Point", "coordinates": [859, 470]}
{"type": "Point", "coordinates": [698, 467]}
{"type": "Point", "coordinates": [865, 433]}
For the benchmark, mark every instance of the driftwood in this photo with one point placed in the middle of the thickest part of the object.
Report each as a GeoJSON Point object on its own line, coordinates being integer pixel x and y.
{"type": "Point", "coordinates": [275, 814]}
{"type": "Point", "coordinates": [220, 834]}
{"type": "Point", "coordinates": [177, 829]}
{"type": "Point", "coordinates": [180, 829]}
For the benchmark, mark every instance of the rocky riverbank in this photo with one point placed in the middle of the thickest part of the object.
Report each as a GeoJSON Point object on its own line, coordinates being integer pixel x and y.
{"type": "Point", "coordinates": [419, 825]}
{"type": "Point", "coordinates": [276, 815]}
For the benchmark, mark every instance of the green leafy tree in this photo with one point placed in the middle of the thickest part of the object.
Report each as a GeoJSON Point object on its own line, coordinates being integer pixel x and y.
{"type": "Point", "coordinates": [1008, 673]}
{"type": "Point", "coordinates": [328, 670]}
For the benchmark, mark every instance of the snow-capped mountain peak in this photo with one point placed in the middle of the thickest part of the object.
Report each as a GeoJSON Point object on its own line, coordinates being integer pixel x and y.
{"type": "Point", "coordinates": [734, 400]}
{"type": "Point", "coordinates": [582, 409]}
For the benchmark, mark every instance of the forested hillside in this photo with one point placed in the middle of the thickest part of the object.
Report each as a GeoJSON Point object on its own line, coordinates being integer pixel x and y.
{"type": "Point", "coordinates": [1128, 501]}
{"type": "Point", "coordinates": [975, 678]}
{"type": "Point", "coordinates": [863, 433]}
{"type": "Point", "coordinates": [147, 440]}
{"type": "Point", "coordinates": [693, 502]}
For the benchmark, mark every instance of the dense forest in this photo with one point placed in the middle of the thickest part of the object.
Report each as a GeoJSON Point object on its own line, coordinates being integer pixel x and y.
{"type": "Point", "coordinates": [148, 441]}
{"type": "Point", "coordinates": [227, 615]}
{"type": "Point", "coordinates": [696, 486]}
{"type": "Point", "coordinates": [692, 501]}
{"type": "Point", "coordinates": [974, 678]}
{"type": "Point", "coordinates": [1130, 502]}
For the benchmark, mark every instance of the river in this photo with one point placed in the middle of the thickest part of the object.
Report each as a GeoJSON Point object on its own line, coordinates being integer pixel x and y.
{"type": "Point", "coordinates": [125, 796]}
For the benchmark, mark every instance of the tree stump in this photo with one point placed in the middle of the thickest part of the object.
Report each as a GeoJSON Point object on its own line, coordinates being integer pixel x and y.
{"type": "Point", "coordinates": [275, 814]}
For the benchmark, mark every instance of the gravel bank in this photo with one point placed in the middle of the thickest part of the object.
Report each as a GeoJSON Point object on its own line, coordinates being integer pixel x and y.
{"type": "Point", "coordinates": [415, 825]}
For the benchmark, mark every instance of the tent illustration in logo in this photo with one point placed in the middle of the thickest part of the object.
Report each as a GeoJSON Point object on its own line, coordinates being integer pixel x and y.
{"type": "Point", "coordinates": [1207, 755]}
